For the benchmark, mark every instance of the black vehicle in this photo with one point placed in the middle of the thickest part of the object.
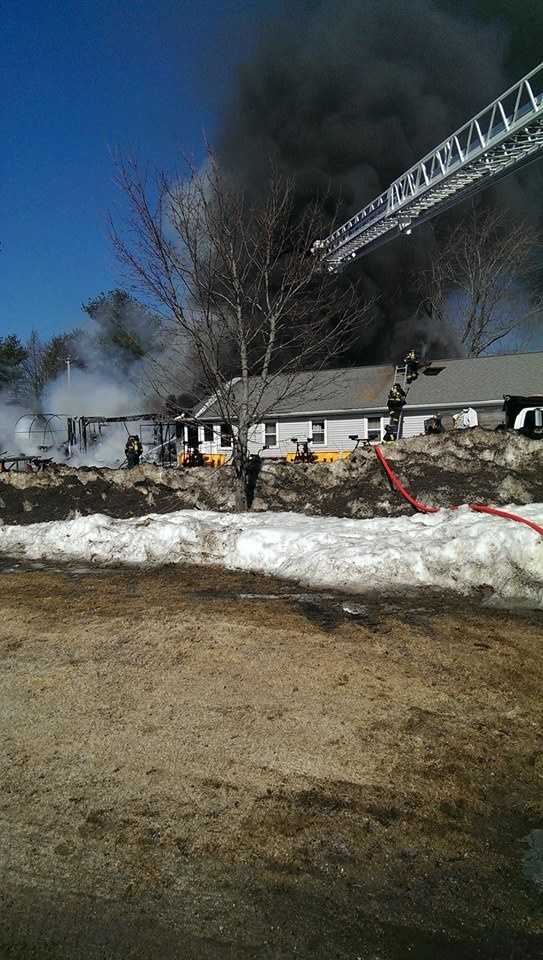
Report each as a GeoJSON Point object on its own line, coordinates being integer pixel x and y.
{"type": "Point", "coordinates": [525, 415]}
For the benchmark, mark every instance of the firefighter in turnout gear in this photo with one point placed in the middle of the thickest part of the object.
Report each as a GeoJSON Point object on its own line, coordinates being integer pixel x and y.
{"type": "Point", "coordinates": [411, 366]}
{"type": "Point", "coordinates": [396, 400]}
{"type": "Point", "coordinates": [133, 451]}
{"type": "Point", "coordinates": [395, 404]}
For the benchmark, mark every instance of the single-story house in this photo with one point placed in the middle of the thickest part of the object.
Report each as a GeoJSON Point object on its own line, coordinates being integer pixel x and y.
{"type": "Point", "coordinates": [331, 405]}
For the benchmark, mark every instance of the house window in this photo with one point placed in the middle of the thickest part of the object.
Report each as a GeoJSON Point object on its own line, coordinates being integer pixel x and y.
{"type": "Point", "coordinates": [374, 428]}
{"type": "Point", "coordinates": [209, 433]}
{"type": "Point", "coordinates": [318, 431]}
{"type": "Point", "coordinates": [270, 434]}
{"type": "Point", "coordinates": [226, 435]}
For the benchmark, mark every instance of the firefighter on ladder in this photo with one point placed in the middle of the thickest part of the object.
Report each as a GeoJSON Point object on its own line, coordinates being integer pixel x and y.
{"type": "Point", "coordinates": [395, 404]}
{"type": "Point", "coordinates": [411, 366]}
{"type": "Point", "coordinates": [396, 400]}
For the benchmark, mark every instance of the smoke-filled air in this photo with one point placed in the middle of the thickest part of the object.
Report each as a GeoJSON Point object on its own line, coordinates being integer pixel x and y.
{"type": "Point", "coordinates": [340, 99]}
{"type": "Point", "coordinates": [101, 369]}
{"type": "Point", "coordinates": [345, 97]}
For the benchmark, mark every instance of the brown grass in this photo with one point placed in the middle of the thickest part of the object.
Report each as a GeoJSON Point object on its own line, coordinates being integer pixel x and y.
{"type": "Point", "coordinates": [155, 721]}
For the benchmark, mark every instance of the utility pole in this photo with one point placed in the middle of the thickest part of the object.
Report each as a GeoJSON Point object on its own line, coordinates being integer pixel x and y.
{"type": "Point", "coordinates": [69, 385]}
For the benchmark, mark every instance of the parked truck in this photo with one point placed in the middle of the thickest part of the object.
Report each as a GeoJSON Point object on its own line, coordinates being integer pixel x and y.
{"type": "Point", "coordinates": [525, 415]}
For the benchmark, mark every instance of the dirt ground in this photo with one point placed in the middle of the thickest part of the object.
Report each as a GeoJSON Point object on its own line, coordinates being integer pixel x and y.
{"type": "Point", "coordinates": [470, 466]}
{"type": "Point", "coordinates": [205, 765]}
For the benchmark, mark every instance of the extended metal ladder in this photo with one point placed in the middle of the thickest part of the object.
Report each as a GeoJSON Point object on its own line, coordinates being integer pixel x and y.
{"type": "Point", "coordinates": [400, 376]}
{"type": "Point", "coordinates": [504, 137]}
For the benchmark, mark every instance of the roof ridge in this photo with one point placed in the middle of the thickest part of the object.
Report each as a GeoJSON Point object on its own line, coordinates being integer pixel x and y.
{"type": "Point", "coordinates": [379, 366]}
{"type": "Point", "coordinates": [491, 356]}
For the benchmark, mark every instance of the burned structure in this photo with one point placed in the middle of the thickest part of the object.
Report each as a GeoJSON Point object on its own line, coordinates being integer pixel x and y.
{"type": "Point", "coordinates": [100, 440]}
{"type": "Point", "coordinates": [160, 436]}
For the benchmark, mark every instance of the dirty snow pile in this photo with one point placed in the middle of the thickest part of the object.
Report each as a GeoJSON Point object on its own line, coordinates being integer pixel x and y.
{"type": "Point", "coordinates": [455, 550]}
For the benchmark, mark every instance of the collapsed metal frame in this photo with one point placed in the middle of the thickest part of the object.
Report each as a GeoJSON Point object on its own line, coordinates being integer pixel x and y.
{"type": "Point", "coordinates": [167, 432]}
{"type": "Point", "coordinates": [33, 464]}
{"type": "Point", "coordinates": [502, 138]}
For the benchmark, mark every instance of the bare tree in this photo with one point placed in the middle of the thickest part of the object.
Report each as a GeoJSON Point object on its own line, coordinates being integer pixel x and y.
{"type": "Point", "coordinates": [43, 362]}
{"type": "Point", "coordinates": [245, 294]}
{"type": "Point", "coordinates": [33, 369]}
{"type": "Point", "coordinates": [485, 279]}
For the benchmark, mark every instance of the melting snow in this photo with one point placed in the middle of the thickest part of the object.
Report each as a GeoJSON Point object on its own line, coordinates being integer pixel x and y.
{"type": "Point", "coordinates": [451, 550]}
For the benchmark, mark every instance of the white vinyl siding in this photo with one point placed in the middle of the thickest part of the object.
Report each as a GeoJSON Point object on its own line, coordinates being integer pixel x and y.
{"type": "Point", "coordinates": [338, 430]}
{"type": "Point", "coordinates": [413, 423]}
{"type": "Point", "coordinates": [216, 445]}
{"type": "Point", "coordinates": [292, 428]}
{"type": "Point", "coordinates": [212, 444]}
{"type": "Point", "coordinates": [411, 426]}
{"type": "Point", "coordinates": [337, 433]}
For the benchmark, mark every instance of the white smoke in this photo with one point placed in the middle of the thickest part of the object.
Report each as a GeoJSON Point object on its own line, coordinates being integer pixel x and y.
{"type": "Point", "coordinates": [94, 394]}
{"type": "Point", "coordinates": [10, 411]}
{"type": "Point", "coordinates": [88, 393]}
{"type": "Point", "coordinates": [107, 451]}
{"type": "Point", "coordinates": [112, 383]}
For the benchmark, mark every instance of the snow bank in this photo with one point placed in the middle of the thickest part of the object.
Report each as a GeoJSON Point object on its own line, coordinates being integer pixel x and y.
{"type": "Point", "coordinates": [455, 550]}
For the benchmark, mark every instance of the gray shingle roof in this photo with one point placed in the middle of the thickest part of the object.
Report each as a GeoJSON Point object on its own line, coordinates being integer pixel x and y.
{"type": "Point", "coordinates": [324, 391]}
{"type": "Point", "coordinates": [479, 379]}
{"type": "Point", "coordinates": [359, 388]}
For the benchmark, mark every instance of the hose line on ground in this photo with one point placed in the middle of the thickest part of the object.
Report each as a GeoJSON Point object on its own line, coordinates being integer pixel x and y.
{"type": "Point", "coordinates": [421, 507]}
{"type": "Point", "coordinates": [424, 508]}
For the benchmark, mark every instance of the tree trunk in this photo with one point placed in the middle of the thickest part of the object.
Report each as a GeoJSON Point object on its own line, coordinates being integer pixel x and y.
{"type": "Point", "coordinates": [241, 469]}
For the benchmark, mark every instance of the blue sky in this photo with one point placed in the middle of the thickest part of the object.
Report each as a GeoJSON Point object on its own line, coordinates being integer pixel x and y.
{"type": "Point", "coordinates": [81, 80]}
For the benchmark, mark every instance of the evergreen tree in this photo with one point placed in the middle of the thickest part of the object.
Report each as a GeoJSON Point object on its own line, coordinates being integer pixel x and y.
{"type": "Point", "coordinates": [12, 355]}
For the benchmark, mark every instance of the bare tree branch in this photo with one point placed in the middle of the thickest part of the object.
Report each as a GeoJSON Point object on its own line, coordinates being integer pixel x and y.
{"type": "Point", "coordinates": [486, 279]}
{"type": "Point", "coordinates": [241, 286]}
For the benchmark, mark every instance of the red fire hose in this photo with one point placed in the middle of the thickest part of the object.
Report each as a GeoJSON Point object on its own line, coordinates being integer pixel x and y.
{"type": "Point", "coordinates": [421, 507]}
{"type": "Point", "coordinates": [479, 508]}
{"type": "Point", "coordinates": [424, 508]}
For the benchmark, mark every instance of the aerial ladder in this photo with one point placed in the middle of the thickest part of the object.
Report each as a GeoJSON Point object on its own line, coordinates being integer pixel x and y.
{"type": "Point", "coordinates": [501, 139]}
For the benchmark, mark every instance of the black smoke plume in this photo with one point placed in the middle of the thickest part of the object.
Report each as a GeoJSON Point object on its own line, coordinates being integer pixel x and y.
{"type": "Point", "coordinates": [346, 96]}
